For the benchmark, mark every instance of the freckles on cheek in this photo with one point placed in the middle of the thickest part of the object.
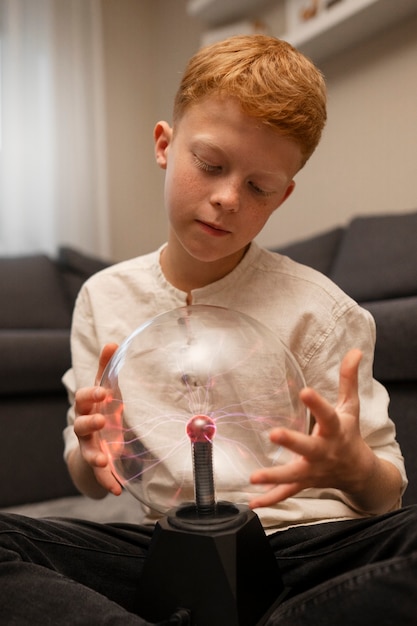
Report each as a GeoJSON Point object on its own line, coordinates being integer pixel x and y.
{"type": "Point", "coordinates": [256, 222]}
{"type": "Point", "coordinates": [186, 186]}
{"type": "Point", "coordinates": [173, 174]}
{"type": "Point", "coordinates": [181, 193]}
{"type": "Point", "coordinates": [261, 214]}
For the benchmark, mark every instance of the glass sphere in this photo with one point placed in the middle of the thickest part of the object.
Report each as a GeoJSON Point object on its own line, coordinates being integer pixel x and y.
{"type": "Point", "coordinates": [198, 374]}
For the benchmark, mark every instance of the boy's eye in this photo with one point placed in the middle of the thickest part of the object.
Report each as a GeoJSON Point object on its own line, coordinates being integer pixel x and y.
{"type": "Point", "coordinates": [258, 190]}
{"type": "Point", "coordinates": [206, 167]}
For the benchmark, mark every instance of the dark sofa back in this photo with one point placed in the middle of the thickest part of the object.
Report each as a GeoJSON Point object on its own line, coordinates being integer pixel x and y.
{"type": "Point", "coordinates": [37, 295]}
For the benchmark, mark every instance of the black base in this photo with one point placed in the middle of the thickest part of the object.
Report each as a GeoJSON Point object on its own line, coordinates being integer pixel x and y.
{"type": "Point", "coordinates": [221, 568]}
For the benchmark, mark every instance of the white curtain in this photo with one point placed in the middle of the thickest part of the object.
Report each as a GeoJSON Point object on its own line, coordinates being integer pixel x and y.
{"type": "Point", "coordinates": [52, 125]}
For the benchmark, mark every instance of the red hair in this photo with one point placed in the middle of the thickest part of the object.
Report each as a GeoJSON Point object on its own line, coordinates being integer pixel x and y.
{"type": "Point", "coordinates": [271, 80]}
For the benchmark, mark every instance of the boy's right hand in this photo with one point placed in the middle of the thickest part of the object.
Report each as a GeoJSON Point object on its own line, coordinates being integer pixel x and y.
{"type": "Point", "coordinates": [89, 465]}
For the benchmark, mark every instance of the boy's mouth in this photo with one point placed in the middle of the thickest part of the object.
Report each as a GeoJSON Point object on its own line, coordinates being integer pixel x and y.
{"type": "Point", "coordinates": [213, 229]}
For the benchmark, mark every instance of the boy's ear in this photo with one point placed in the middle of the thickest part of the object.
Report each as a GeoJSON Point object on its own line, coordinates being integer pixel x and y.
{"type": "Point", "coordinates": [287, 193]}
{"type": "Point", "coordinates": [162, 136]}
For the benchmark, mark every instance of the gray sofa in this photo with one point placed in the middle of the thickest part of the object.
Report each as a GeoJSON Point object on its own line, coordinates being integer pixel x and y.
{"type": "Point", "coordinates": [374, 259]}
{"type": "Point", "coordinates": [38, 295]}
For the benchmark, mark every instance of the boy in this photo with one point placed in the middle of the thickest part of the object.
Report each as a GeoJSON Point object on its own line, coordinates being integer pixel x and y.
{"type": "Point", "coordinates": [248, 114]}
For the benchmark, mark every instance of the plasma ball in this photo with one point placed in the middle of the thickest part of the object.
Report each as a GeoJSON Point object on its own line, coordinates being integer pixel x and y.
{"type": "Point", "coordinates": [201, 428]}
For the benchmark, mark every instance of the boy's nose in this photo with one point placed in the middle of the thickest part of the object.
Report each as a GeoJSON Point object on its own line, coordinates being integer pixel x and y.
{"type": "Point", "coordinates": [226, 194]}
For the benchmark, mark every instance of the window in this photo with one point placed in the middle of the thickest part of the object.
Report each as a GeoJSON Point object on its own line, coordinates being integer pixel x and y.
{"type": "Point", "coordinates": [52, 159]}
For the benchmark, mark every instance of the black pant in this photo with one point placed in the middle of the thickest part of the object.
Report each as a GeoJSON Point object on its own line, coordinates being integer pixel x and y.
{"type": "Point", "coordinates": [350, 573]}
{"type": "Point", "coordinates": [62, 572]}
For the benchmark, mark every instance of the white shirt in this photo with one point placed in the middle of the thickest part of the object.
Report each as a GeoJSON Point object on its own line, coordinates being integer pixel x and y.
{"type": "Point", "coordinates": [316, 320]}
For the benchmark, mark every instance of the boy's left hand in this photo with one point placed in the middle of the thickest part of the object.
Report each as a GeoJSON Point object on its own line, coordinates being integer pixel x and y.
{"type": "Point", "coordinates": [333, 456]}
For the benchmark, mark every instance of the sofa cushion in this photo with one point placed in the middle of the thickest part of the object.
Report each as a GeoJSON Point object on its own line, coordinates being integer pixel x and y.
{"type": "Point", "coordinates": [32, 294]}
{"type": "Point", "coordinates": [32, 467]}
{"type": "Point", "coordinates": [403, 412]}
{"type": "Point", "coordinates": [396, 340]}
{"type": "Point", "coordinates": [33, 361]}
{"type": "Point", "coordinates": [76, 267]}
{"type": "Point", "coordinates": [317, 252]}
{"type": "Point", "coordinates": [377, 257]}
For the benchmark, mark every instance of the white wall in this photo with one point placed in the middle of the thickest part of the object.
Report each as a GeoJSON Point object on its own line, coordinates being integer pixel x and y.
{"type": "Point", "coordinates": [147, 44]}
{"type": "Point", "coordinates": [365, 164]}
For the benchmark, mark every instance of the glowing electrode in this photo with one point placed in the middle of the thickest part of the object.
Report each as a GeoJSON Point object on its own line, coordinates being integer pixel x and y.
{"type": "Point", "coordinates": [201, 430]}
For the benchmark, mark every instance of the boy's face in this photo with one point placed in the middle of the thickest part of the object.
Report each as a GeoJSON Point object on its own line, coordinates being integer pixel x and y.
{"type": "Point", "coordinates": [226, 173]}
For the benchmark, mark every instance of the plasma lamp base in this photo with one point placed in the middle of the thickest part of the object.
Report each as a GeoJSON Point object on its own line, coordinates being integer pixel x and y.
{"type": "Point", "coordinates": [220, 567]}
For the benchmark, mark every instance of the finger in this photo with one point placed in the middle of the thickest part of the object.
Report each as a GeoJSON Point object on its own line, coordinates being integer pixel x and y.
{"type": "Point", "coordinates": [94, 456]}
{"type": "Point", "coordinates": [298, 443]}
{"type": "Point", "coordinates": [105, 356]}
{"type": "Point", "coordinates": [87, 397]}
{"type": "Point", "coordinates": [324, 413]}
{"type": "Point", "coordinates": [348, 380]}
{"type": "Point", "coordinates": [87, 425]}
{"type": "Point", "coordinates": [90, 447]}
{"type": "Point", "coordinates": [297, 471]}
{"type": "Point", "coordinates": [274, 495]}
{"type": "Point", "coordinates": [107, 480]}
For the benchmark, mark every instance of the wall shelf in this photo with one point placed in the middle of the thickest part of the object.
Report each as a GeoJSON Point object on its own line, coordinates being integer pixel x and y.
{"type": "Point", "coordinates": [346, 24]}
{"type": "Point", "coordinates": [333, 30]}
